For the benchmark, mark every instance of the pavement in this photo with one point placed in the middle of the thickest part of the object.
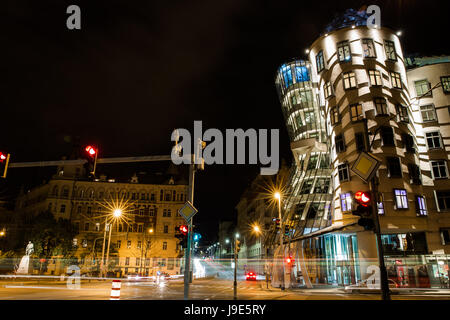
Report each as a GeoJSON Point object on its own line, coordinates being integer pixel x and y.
{"type": "Point", "coordinates": [200, 289]}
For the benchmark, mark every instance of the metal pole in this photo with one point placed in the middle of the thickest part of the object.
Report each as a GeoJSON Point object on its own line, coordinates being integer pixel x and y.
{"type": "Point", "coordinates": [281, 242]}
{"type": "Point", "coordinates": [385, 294]}
{"type": "Point", "coordinates": [235, 270]}
{"type": "Point", "coordinates": [109, 244]}
{"type": "Point", "coordinates": [187, 260]}
{"type": "Point", "coordinates": [103, 250]}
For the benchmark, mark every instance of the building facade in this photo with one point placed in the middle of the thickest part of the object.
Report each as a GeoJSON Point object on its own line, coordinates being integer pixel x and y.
{"type": "Point", "coordinates": [142, 242]}
{"type": "Point", "coordinates": [362, 98]}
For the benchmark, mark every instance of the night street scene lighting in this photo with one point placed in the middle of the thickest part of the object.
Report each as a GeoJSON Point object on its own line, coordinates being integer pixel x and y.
{"type": "Point", "coordinates": [235, 151]}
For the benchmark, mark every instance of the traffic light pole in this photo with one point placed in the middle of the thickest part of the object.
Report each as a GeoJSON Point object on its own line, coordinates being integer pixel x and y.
{"type": "Point", "coordinates": [235, 270]}
{"type": "Point", "coordinates": [281, 243]}
{"type": "Point", "coordinates": [385, 294]}
{"type": "Point", "coordinates": [187, 256]}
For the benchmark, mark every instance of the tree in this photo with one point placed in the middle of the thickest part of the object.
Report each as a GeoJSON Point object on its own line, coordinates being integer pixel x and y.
{"type": "Point", "coordinates": [51, 237]}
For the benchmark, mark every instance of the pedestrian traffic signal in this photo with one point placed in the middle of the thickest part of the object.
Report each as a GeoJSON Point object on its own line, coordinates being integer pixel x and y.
{"type": "Point", "coordinates": [91, 154]}
{"type": "Point", "coordinates": [364, 210]}
{"type": "Point", "coordinates": [4, 161]}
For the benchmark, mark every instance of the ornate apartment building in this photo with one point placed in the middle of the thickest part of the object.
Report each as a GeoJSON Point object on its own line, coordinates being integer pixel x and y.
{"type": "Point", "coordinates": [143, 241]}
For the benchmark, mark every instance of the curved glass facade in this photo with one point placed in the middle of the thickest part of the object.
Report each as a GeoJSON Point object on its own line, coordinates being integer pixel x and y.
{"type": "Point", "coordinates": [307, 206]}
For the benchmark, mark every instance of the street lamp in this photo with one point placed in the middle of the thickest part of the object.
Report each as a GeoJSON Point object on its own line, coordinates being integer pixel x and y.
{"type": "Point", "coordinates": [116, 213]}
{"type": "Point", "coordinates": [277, 196]}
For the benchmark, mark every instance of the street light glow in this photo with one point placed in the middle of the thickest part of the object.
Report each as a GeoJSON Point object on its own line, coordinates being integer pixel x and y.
{"type": "Point", "coordinates": [150, 230]}
{"type": "Point", "coordinates": [256, 228]}
{"type": "Point", "coordinates": [277, 195]}
{"type": "Point", "coordinates": [237, 235]}
{"type": "Point", "coordinates": [117, 213]}
{"type": "Point", "coordinates": [227, 240]}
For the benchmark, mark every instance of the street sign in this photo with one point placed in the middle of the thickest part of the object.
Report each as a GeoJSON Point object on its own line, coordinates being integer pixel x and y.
{"type": "Point", "coordinates": [365, 166]}
{"type": "Point", "coordinates": [187, 211]}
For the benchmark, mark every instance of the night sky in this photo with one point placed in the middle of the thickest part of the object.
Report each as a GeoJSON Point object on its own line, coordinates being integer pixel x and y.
{"type": "Point", "coordinates": [137, 70]}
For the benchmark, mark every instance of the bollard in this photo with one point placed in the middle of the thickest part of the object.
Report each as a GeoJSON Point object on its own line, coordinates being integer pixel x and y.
{"type": "Point", "coordinates": [115, 290]}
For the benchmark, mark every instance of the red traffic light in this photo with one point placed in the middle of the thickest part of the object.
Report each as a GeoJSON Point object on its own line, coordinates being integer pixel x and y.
{"type": "Point", "coordinates": [184, 229]}
{"type": "Point", "coordinates": [91, 151]}
{"type": "Point", "coordinates": [362, 198]}
{"type": "Point", "coordinates": [2, 157]}
{"type": "Point", "coordinates": [289, 260]}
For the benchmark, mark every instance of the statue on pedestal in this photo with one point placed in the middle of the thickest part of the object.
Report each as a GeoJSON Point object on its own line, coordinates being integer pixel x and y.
{"type": "Point", "coordinates": [24, 263]}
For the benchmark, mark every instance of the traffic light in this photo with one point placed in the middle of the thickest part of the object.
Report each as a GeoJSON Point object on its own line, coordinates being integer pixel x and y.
{"type": "Point", "coordinates": [364, 210]}
{"type": "Point", "coordinates": [286, 230]}
{"type": "Point", "coordinates": [4, 161]}
{"type": "Point", "coordinates": [197, 237]}
{"type": "Point", "coordinates": [289, 261]}
{"type": "Point", "coordinates": [91, 157]}
{"type": "Point", "coordinates": [276, 222]}
{"type": "Point", "coordinates": [238, 245]}
{"type": "Point", "coordinates": [181, 234]}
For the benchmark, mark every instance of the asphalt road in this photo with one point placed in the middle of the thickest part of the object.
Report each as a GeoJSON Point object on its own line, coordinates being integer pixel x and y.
{"type": "Point", "coordinates": [201, 289]}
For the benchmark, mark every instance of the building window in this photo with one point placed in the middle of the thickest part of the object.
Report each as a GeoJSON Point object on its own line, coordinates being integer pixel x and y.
{"type": "Point", "coordinates": [396, 80]}
{"type": "Point", "coordinates": [166, 229]}
{"type": "Point", "coordinates": [164, 247]}
{"type": "Point", "coordinates": [389, 47]}
{"type": "Point", "coordinates": [414, 174]}
{"type": "Point", "coordinates": [443, 200]}
{"type": "Point", "coordinates": [152, 197]}
{"type": "Point", "coordinates": [167, 196]}
{"type": "Point", "coordinates": [434, 140]}
{"type": "Point", "coordinates": [445, 236]}
{"type": "Point", "coordinates": [422, 88]}
{"type": "Point", "coordinates": [307, 186]}
{"type": "Point", "coordinates": [322, 185]}
{"type": "Point", "coordinates": [139, 244]}
{"type": "Point", "coordinates": [401, 199]}
{"type": "Point", "coordinates": [169, 213]}
{"type": "Point", "coordinates": [428, 113]}
{"type": "Point", "coordinates": [380, 106]}
{"type": "Point", "coordinates": [368, 48]}
{"type": "Point", "coordinates": [129, 244]}
{"type": "Point", "coordinates": [328, 89]}
{"type": "Point", "coordinates": [387, 135]}
{"type": "Point", "coordinates": [334, 116]}
{"type": "Point", "coordinates": [349, 80]}
{"type": "Point", "coordinates": [152, 212]}
{"type": "Point", "coordinates": [343, 50]}
{"type": "Point", "coordinates": [320, 61]}
{"type": "Point", "coordinates": [340, 144]}
{"type": "Point", "coordinates": [343, 172]}
{"type": "Point", "coordinates": [164, 212]}
{"type": "Point", "coordinates": [445, 82]}
{"type": "Point", "coordinates": [138, 261]}
{"type": "Point", "coordinates": [141, 212]}
{"type": "Point", "coordinates": [86, 226]}
{"type": "Point", "coordinates": [421, 206]}
{"type": "Point", "coordinates": [79, 209]}
{"type": "Point", "coordinates": [119, 243]}
{"type": "Point", "coordinates": [130, 228]}
{"type": "Point", "coordinates": [394, 167]}
{"type": "Point", "coordinates": [346, 202]}
{"type": "Point", "coordinates": [380, 204]}
{"type": "Point", "coordinates": [439, 169]}
{"type": "Point", "coordinates": [375, 78]}
{"type": "Point", "coordinates": [127, 261]}
{"type": "Point", "coordinates": [89, 210]}
{"type": "Point", "coordinates": [140, 228]}
{"type": "Point", "coordinates": [402, 112]}
{"type": "Point", "coordinates": [360, 141]}
{"type": "Point", "coordinates": [356, 112]}
{"type": "Point", "coordinates": [97, 226]}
